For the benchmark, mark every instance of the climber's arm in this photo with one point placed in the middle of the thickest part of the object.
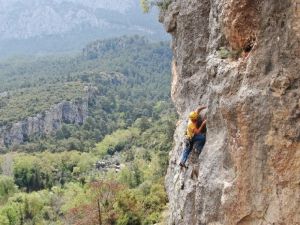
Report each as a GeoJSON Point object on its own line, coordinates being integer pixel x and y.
{"type": "Point", "coordinates": [198, 110]}
{"type": "Point", "coordinates": [200, 129]}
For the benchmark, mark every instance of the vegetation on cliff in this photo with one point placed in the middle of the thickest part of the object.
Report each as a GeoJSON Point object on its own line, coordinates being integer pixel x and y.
{"type": "Point", "coordinates": [161, 4]}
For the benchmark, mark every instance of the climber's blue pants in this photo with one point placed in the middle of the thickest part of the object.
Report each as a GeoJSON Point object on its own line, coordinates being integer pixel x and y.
{"type": "Point", "coordinates": [199, 140]}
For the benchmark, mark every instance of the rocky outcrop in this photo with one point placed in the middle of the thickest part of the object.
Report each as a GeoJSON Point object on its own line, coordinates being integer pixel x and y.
{"type": "Point", "coordinates": [249, 170]}
{"type": "Point", "coordinates": [45, 123]}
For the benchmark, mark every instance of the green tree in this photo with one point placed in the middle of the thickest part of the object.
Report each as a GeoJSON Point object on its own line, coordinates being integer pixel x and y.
{"type": "Point", "coordinates": [142, 123]}
{"type": "Point", "coordinates": [7, 187]}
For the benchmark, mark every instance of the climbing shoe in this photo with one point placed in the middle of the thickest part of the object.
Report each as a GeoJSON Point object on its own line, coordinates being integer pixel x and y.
{"type": "Point", "coordinates": [182, 165]}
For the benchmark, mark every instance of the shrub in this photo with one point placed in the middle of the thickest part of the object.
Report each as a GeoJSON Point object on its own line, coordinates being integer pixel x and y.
{"type": "Point", "coordinates": [161, 4]}
{"type": "Point", "coordinates": [7, 187]}
{"type": "Point", "coordinates": [225, 53]}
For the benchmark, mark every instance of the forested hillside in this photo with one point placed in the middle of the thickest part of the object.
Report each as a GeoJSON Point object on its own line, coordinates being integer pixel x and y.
{"type": "Point", "coordinates": [107, 168]}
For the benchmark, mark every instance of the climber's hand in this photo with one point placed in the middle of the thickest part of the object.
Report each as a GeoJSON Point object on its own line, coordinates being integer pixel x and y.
{"type": "Point", "coordinates": [201, 108]}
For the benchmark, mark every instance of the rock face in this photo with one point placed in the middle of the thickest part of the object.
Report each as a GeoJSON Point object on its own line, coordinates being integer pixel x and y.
{"type": "Point", "coordinates": [249, 170]}
{"type": "Point", "coordinates": [69, 112]}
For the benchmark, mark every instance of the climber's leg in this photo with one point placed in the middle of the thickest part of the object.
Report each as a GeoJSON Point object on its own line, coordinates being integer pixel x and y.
{"type": "Point", "coordinates": [198, 142]}
{"type": "Point", "coordinates": [185, 154]}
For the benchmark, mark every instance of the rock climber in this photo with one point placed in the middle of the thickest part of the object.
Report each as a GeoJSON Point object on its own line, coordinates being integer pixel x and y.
{"type": "Point", "coordinates": [195, 134]}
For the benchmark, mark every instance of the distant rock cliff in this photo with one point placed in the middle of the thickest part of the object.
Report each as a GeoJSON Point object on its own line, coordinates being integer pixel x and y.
{"type": "Point", "coordinates": [242, 59]}
{"type": "Point", "coordinates": [69, 112]}
{"type": "Point", "coordinates": [21, 19]}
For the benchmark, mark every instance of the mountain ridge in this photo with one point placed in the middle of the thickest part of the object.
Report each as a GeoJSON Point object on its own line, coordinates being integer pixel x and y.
{"type": "Point", "coordinates": [52, 25]}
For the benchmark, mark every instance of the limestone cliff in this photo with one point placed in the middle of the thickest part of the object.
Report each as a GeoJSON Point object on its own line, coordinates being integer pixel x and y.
{"type": "Point", "coordinates": [70, 112]}
{"type": "Point", "coordinates": [242, 59]}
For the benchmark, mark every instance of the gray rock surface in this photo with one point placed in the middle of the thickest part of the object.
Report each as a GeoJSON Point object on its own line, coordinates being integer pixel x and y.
{"type": "Point", "coordinates": [45, 123]}
{"type": "Point", "coordinates": [249, 170]}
